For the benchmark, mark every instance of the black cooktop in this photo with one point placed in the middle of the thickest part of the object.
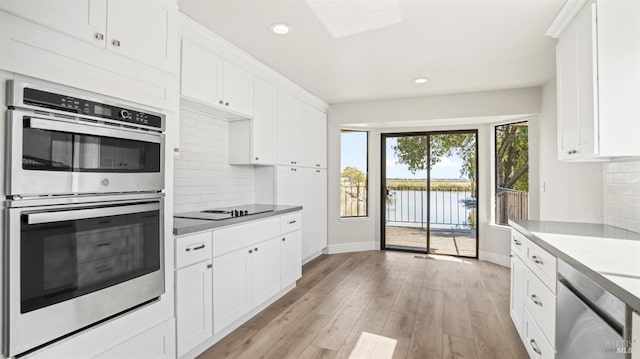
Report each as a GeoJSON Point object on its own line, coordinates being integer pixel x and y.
{"type": "Point", "coordinates": [219, 214]}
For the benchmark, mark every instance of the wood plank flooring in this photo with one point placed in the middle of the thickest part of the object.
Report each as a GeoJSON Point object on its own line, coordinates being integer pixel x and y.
{"type": "Point", "coordinates": [434, 307]}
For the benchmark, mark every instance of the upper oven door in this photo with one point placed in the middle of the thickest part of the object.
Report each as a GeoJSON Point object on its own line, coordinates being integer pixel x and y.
{"type": "Point", "coordinates": [51, 155]}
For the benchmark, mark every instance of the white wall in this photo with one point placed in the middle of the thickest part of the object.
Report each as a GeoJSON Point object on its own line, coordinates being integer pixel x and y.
{"type": "Point", "coordinates": [571, 192]}
{"type": "Point", "coordinates": [203, 177]}
{"type": "Point", "coordinates": [419, 114]}
{"type": "Point", "coordinates": [622, 194]}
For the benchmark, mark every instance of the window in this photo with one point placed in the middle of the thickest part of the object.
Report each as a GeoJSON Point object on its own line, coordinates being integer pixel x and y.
{"type": "Point", "coordinates": [512, 172]}
{"type": "Point", "coordinates": [353, 173]}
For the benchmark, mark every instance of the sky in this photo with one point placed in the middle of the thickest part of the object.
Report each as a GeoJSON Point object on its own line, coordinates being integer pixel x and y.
{"type": "Point", "coordinates": [353, 153]}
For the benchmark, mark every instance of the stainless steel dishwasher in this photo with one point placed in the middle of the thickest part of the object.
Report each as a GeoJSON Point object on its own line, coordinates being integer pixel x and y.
{"type": "Point", "coordinates": [590, 321]}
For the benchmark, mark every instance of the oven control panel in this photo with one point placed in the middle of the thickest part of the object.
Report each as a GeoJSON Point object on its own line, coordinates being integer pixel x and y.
{"type": "Point", "coordinates": [40, 98]}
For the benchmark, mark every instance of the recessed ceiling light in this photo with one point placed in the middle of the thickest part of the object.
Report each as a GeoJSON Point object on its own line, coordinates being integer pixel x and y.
{"type": "Point", "coordinates": [281, 29]}
{"type": "Point", "coordinates": [421, 81]}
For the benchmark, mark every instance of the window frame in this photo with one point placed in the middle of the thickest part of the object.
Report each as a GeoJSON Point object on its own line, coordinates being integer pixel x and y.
{"type": "Point", "coordinates": [366, 184]}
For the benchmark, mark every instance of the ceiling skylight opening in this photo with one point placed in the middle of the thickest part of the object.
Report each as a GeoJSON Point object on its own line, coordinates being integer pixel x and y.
{"type": "Point", "coordinates": [421, 80]}
{"type": "Point", "coordinates": [349, 17]}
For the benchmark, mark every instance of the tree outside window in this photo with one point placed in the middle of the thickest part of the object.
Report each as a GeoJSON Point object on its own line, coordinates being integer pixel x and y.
{"type": "Point", "coordinates": [512, 172]}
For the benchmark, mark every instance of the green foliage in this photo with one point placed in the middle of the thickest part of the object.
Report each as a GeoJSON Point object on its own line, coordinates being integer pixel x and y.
{"type": "Point", "coordinates": [353, 175]}
{"type": "Point", "coordinates": [512, 156]}
{"type": "Point", "coordinates": [412, 151]}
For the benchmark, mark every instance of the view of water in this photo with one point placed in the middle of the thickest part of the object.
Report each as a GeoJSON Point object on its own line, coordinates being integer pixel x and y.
{"type": "Point", "coordinates": [447, 207]}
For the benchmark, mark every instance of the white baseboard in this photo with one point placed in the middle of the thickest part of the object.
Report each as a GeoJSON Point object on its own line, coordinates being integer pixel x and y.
{"type": "Point", "coordinates": [499, 259]}
{"type": "Point", "coordinates": [351, 247]}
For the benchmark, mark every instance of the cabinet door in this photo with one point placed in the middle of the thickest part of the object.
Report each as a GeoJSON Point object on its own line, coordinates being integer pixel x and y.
{"type": "Point", "coordinates": [194, 305]}
{"type": "Point", "coordinates": [577, 85]}
{"type": "Point", "coordinates": [238, 89]}
{"type": "Point", "coordinates": [82, 19]}
{"type": "Point", "coordinates": [264, 123]}
{"type": "Point", "coordinates": [316, 138]}
{"type": "Point", "coordinates": [290, 146]}
{"type": "Point", "coordinates": [145, 33]}
{"type": "Point", "coordinates": [201, 74]}
{"type": "Point", "coordinates": [314, 229]}
{"type": "Point", "coordinates": [517, 293]}
{"type": "Point", "coordinates": [290, 258]}
{"type": "Point", "coordinates": [231, 288]}
{"type": "Point", "coordinates": [156, 343]}
{"type": "Point", "coordinates": [265, 262]}
{"type": "Point", "coordinates": [290, 185]}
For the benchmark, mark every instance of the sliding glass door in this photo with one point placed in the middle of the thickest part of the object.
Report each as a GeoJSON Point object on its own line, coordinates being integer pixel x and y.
{"type": "Point", "coordinates": [429, 192]}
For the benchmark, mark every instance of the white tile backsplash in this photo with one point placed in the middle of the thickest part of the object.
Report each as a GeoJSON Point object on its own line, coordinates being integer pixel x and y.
{"type": "Point", "coordinates": [622, 194]}
{"type": "Point", "coordinates": [203, 177]}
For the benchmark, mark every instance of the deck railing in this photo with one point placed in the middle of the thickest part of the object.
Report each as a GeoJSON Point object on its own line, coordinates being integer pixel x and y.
{"type": "Point", "coordinates": [511, 204]}
{"type": "Point", "coordinates": [449, 205]}
{"type": "Point", "coordinates": [353, 201]}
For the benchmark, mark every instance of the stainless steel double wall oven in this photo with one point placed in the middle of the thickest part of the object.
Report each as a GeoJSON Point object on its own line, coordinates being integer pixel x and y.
{"type": "Point", "coordinates": [84, 212]}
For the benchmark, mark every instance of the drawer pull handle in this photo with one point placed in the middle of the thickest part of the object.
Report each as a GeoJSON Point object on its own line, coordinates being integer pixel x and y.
{"type": "Point", "coordinates": [537, 260]}
{"type": "Point", "coordinates": [194, 248]}
{"type": "Point", "coordinates": [534, 346]}
{"type": "Point", "coordinates": [292, 222]}
{"type": "Point", "coordinates": [517, 242]}
{"type": "Point", "coordinates": [534, 299]}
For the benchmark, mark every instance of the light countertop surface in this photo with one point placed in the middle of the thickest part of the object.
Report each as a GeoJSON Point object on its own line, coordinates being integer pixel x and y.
{"type": "Point", "coordinates": [608, 255]}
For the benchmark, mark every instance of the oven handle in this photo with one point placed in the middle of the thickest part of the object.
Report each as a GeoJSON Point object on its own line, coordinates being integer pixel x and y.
{"type": "Point", "coordinates": [54, 125]}
{"type": "Point", "coordinates": [49, 217]}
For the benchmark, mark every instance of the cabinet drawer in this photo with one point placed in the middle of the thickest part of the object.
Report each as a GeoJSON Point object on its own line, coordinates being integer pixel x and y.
{"type": "Point", "coordinates": [541, 303]}
{"type": "Point", "coordinates": [519, 244]}
{"type": "Point", "coordinates": [290, 222]}
{"type": "Point", "coordinates": [233, 238]}
{"type": "Point", "coordinates": [192, 249]}
{"type": "Point", "coordinates": [537, 346]}
{"type": "Point", "coordinates": [542, 264]}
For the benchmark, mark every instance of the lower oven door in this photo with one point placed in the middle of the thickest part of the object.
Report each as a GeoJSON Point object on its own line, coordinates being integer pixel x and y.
{"type": "Point", "coordinates": [71, 266]}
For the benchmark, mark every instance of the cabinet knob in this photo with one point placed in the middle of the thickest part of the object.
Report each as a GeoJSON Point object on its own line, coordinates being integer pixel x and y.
{"type": "Point", "coordinates": [257, 158]}
{"type": "Point", "coordinates": [283, 239]}
{"type": "Point", "coordinates": [226, 104]}
{"type": "Point", "coordinates": [255, 249]}
{"type": "Point", "coordinates": [317, 165]}
{"type": "Point", "coordinates": [250, 251]}
{"type": "Point", "coordinates": [99, 36]}
{"type": "Point", "coordinates": [116, 43]}
{"type": "Point", "coordinates": [221, 102]}
{"type": "Point", "coordinates": [209, 266]}
{"type": "Point", "coordinates": [572, 152]}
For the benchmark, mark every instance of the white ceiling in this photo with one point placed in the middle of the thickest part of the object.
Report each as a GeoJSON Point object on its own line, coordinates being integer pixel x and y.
{"type": "Point", "coordinates": [374, 49]}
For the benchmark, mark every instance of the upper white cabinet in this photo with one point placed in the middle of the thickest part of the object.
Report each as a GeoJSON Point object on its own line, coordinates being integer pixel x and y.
{"type": "Point", "coordinates": [316, 122]}
{"type": "Point", "coordinates": [130, 28]}
{"type": "Point", "coordinates": [291, 130]}
{"type": "Point", "coordinates": [254, 141]}
{"type": "Point", "coordinates": [598, 80]}
{"type": "Point", "coordinates": [211, 81]}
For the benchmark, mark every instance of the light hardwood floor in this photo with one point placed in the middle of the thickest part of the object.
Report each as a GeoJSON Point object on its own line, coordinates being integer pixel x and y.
{"type": "Point", "coordinates": [438, 307]}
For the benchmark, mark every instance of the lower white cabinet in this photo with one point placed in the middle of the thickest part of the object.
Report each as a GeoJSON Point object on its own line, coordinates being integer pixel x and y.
{"type": "Point", "coordinates": [155, 343]}
{"type": "Point", "coordinates": [231, 287]}
{"type": "Point", "coordinates": [534, 341]}
{"type": "Point", "coordinates": [236, 270]}
{"type": "Point", "coordinates": [193, 305]}
{"type": "Point", "coordinates": [517, 293]}
{"type": "Point", "coordinates": [291, 254]}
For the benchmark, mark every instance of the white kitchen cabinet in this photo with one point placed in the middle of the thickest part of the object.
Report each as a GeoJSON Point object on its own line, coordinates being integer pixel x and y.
{"type": "Point", "coordinates": [155, 343]}
{"type": "Point", "coordinates": [291, 255]}
{"type": "Point", "coordinates": [314, 232]}
{"type": "Point", "coordinates": [598, 80]}
{"type": "Point", "coordinates": [290, 186]}
{"type": "Point", "coordinates": [316, 138]}
{"type": "Point", "coordinates": [211, 81]}
{"type": "Point", "coordinates": [635, 336]}
{"type": "Point", "coordinates": [232, 297]}
{"type": "Point", "coordinates": [201, 73]}
{"type": "Point", "coordinates": [265, 266]}
{"type": "Point", "coordinates": [291, 131]}
{"type": "Point", "coordinates": [133, 29]}
{"type": "Point", "coordinates": [194, 305]}
{"type": "Point", "coordinates": [254, 141]}
{"type": "Point", "coordinates": [517, 293]}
